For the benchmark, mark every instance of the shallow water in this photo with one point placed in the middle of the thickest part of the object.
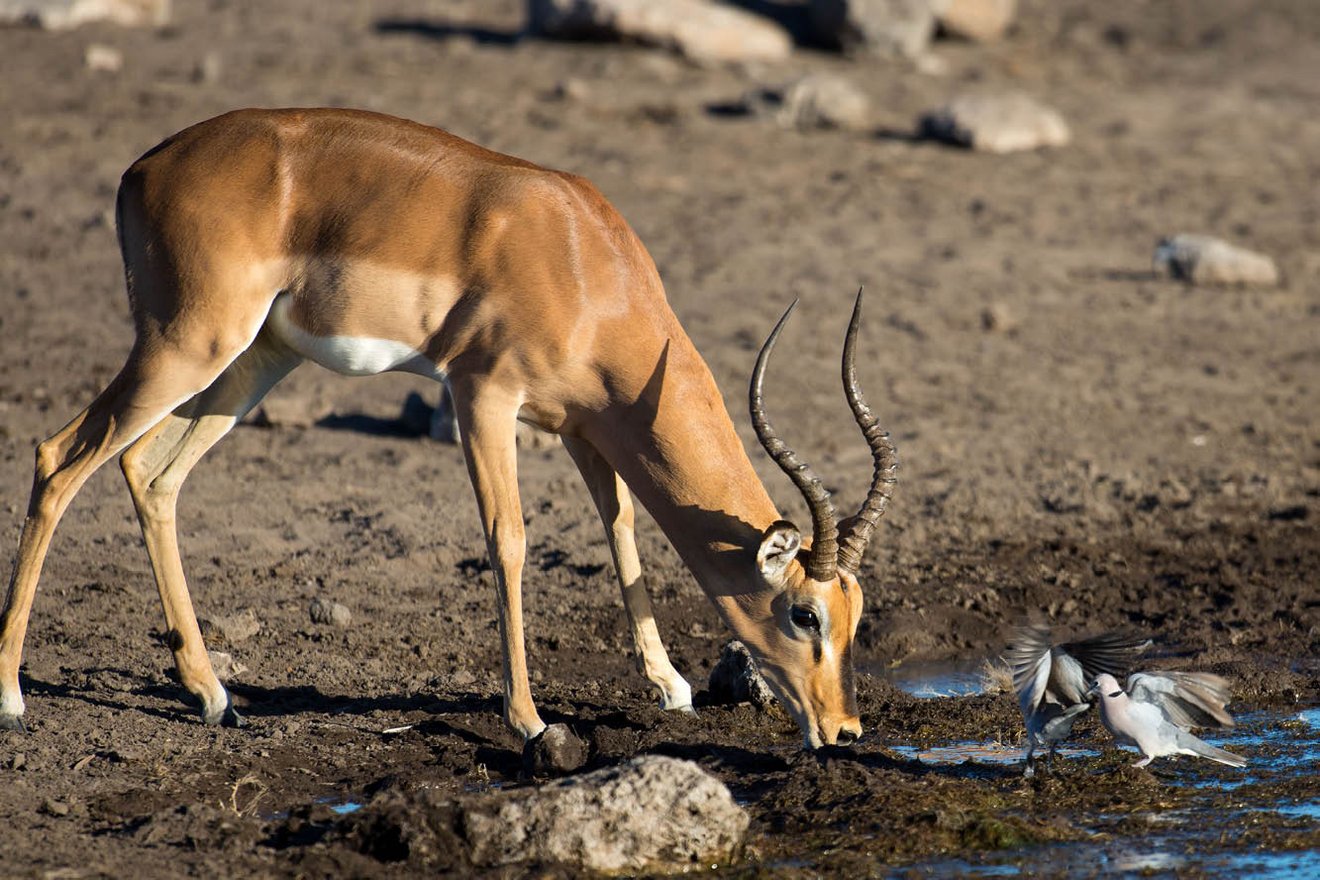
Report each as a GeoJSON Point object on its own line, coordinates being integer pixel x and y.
{"type": "Point", "coordinates": [1203, 840]}
{"type": "Point", "coordinates": [940, 678]}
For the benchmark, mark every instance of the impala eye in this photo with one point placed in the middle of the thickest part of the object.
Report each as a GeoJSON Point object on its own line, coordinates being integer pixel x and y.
{"type": "Point", "coordinates": [804, 617]}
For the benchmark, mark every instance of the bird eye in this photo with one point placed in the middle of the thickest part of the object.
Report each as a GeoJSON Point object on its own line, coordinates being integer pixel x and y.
{"type": "Point", "coordinates": [804, 617]}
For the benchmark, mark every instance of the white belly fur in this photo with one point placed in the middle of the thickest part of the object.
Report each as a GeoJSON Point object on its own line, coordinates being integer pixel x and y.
{"type": "Point", "coordinates": [349, 355]}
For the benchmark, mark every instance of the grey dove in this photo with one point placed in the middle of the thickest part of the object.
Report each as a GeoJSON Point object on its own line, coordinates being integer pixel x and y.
{"type": "Point", "coordinates": [1052, 681]}
{"type": "Point", "coordinates": [1156, 710]}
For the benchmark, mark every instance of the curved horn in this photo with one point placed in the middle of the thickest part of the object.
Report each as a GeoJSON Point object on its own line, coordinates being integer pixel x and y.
{"type": "Point", "coordinates": [822, 559]}
{"type": "Point", "coordinates": [856, 530]}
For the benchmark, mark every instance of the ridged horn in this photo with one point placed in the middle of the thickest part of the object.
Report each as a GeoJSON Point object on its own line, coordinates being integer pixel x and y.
{"type": "Point", "coordinates": [823, 557]}
{"type": "Point", "coordinates": [855, 532]}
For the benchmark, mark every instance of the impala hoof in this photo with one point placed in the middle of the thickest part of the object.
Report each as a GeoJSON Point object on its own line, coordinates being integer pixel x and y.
{"type": "Point", "coordinates": [226, 716]}
{"type": "Point", "coordinates": [13, 722]}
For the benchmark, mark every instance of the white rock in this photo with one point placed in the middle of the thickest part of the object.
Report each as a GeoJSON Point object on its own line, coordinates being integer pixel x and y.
{"type": "Point", "coordinates": [824, 101]}
{"type": "Point", "coordinates": [651, 813]}
{"type": "Point", "coordinates": [225, 666]}
{"type": "Point", "coordinates": [103, 59]}
{"type": "Point", "coordinates": [996, 123]}
{"type": "Point", "coordinates": [699, 30]}
{"type": "Point", "coordinates": [1203, 259]}
{"type": "Point", "coordinates": [63, 14]}
{"type": "Point", "coordinates": [874, 27]}
{"type": "Point", "coordinates": [979, 20]}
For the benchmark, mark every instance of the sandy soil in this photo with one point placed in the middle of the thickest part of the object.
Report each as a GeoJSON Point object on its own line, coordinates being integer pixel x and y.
{"type": "Point", "coordinates": [1081, 439]}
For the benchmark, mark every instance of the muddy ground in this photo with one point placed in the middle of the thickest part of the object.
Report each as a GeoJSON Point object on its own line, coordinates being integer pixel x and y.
{"type": "Point", "coordinates": [1080, 439]}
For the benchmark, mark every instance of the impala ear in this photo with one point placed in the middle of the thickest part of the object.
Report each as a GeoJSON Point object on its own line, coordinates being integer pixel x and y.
{"type": "Point", "coordinates": [779, 547]}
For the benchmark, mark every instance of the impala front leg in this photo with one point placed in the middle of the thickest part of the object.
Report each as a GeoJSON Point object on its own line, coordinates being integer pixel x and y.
{"type": "Point", "coordinates": [488, 427]}
{"type": "Point", "coordinates": [614, 502]}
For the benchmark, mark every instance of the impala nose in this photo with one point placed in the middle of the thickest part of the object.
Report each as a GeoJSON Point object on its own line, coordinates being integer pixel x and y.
{"type": "Point", "coordinates": [849, 732]}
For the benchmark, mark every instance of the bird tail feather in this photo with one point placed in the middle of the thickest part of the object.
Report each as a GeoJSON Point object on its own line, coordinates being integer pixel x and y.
{"type": "Point", "coordinates": [1198, 746]}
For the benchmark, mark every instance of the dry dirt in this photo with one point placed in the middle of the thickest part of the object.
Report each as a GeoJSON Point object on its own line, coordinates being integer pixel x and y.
{"type": "Point", "coordinates": [1080, 439]}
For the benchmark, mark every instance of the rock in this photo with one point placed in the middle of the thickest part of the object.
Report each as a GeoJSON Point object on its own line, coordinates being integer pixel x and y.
{"type": "Point", "coordinates": [54, 15]}
{"type": "Point", "coordinates": [998, 318]}
{"type": "Point", "coordinates": [291, 410]}
{"type": "Point", "coordinates": [325, 611]}
{"type": "Point", "coordinates": [55, 808]}
{"type": "Point", "coordinates": [1002, 123]}
{"type": "Point", "coordinates": [225, 666]}
{"type": "Point", "coordinates": [651, 813]}
{"type": "Point", "coordinates": [824, 101]}
{"type": "Point", "coordinates": [230, 629]}
{"type": "Point", "coordinates": [901, 28]}
{"type": "Point", "coordinates": [980, 20]}
{"type": "Point", "coordinates": [556, 752]}
{"type": "Point", "coordinates": [208, 68]}
{"type": "Point", "coordinates": [1203, 259]}
{"type": "Point", "coordinates": [103, 59]}
{"type": "Point", "coordinates": [735, 679]}
{"type": "Point", "coordinates": [699, 30]}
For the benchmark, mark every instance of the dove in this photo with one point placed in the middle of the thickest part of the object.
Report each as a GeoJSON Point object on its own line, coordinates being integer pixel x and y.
{"type": "Point", "coordinates": [1156, 710]}
{"type": "Point", "coordinates": [1051, 680]}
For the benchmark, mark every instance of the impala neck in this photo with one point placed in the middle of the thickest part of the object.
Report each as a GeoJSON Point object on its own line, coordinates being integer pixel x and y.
{"type": "Point", "coordinates": [675, 446]}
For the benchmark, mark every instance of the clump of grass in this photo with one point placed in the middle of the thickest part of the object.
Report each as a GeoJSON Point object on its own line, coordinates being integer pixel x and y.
{"type": "Point", "coordinates": [996, 677]}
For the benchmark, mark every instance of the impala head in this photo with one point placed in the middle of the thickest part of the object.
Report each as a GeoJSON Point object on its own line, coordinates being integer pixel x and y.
{"type": "Point", "coordinates": [803, 631]}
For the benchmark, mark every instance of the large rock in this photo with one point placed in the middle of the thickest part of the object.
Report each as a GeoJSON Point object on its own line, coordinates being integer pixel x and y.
{"type": "Point", "coordinates": [699, 30]}
{"type": "Point", "coordinates": [1203, 259]}
{"type": "Point", "coordinates": [653, 814]}
{"type": "Point", "coordinates": [900, 28]}
{"type": "Point", "coordinates": [62, 14]}
{"type": "Point", "coordinates": [979, 20]}
{"type": "Point", "coordinates": [996, 123]}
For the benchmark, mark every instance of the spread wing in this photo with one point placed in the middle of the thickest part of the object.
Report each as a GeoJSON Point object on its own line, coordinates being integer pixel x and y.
{"type": "Point", "coordinates": [1076, 664]}
{"type": "Point", "coordinates": [1187, 699]}
{"type": "Point", "coordinates": [1029, 659]}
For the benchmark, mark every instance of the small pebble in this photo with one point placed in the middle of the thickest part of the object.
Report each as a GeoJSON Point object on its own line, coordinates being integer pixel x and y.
{"type": "Point", "coordinates": [325, 611]}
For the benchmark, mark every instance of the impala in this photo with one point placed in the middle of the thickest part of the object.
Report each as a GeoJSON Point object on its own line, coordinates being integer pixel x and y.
{"type": "Point", "coordinates": [365, 243]}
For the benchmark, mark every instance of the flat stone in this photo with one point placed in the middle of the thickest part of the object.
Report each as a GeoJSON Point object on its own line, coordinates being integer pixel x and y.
{"type": "Point", "coordinates": [996, 123]}
{"type": "Point", "coordinates": [103, 59]}
{"type": "Point", "coordinates": [735, 679]}
{"type": "Point", "coordinates": [824, 101]}
{"type": "Point", "coordinates": [287, 409]}
{"type": "Point", "coordinates": [892, 28]}
{"type": "Point", "coordinates": [699, 30]}
{"type": "Point", "coordinates": [980, 20]}
{"type": "Point", "coordinates": [57, 15]}
{"type": "Point", "coordinates": [231, 628]}
{"type": "Point", "coordinates": [1204, 259]}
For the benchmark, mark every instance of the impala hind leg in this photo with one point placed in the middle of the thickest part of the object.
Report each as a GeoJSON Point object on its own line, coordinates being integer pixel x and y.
{"type": "Point", "coordinates": [156, 467]}
{"type": "Point", "coordinates": [144, 392]}
{"type": "Point", "coordinates": [614, 502]}
{"type": "Point", "coordinates": [487, 422]}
